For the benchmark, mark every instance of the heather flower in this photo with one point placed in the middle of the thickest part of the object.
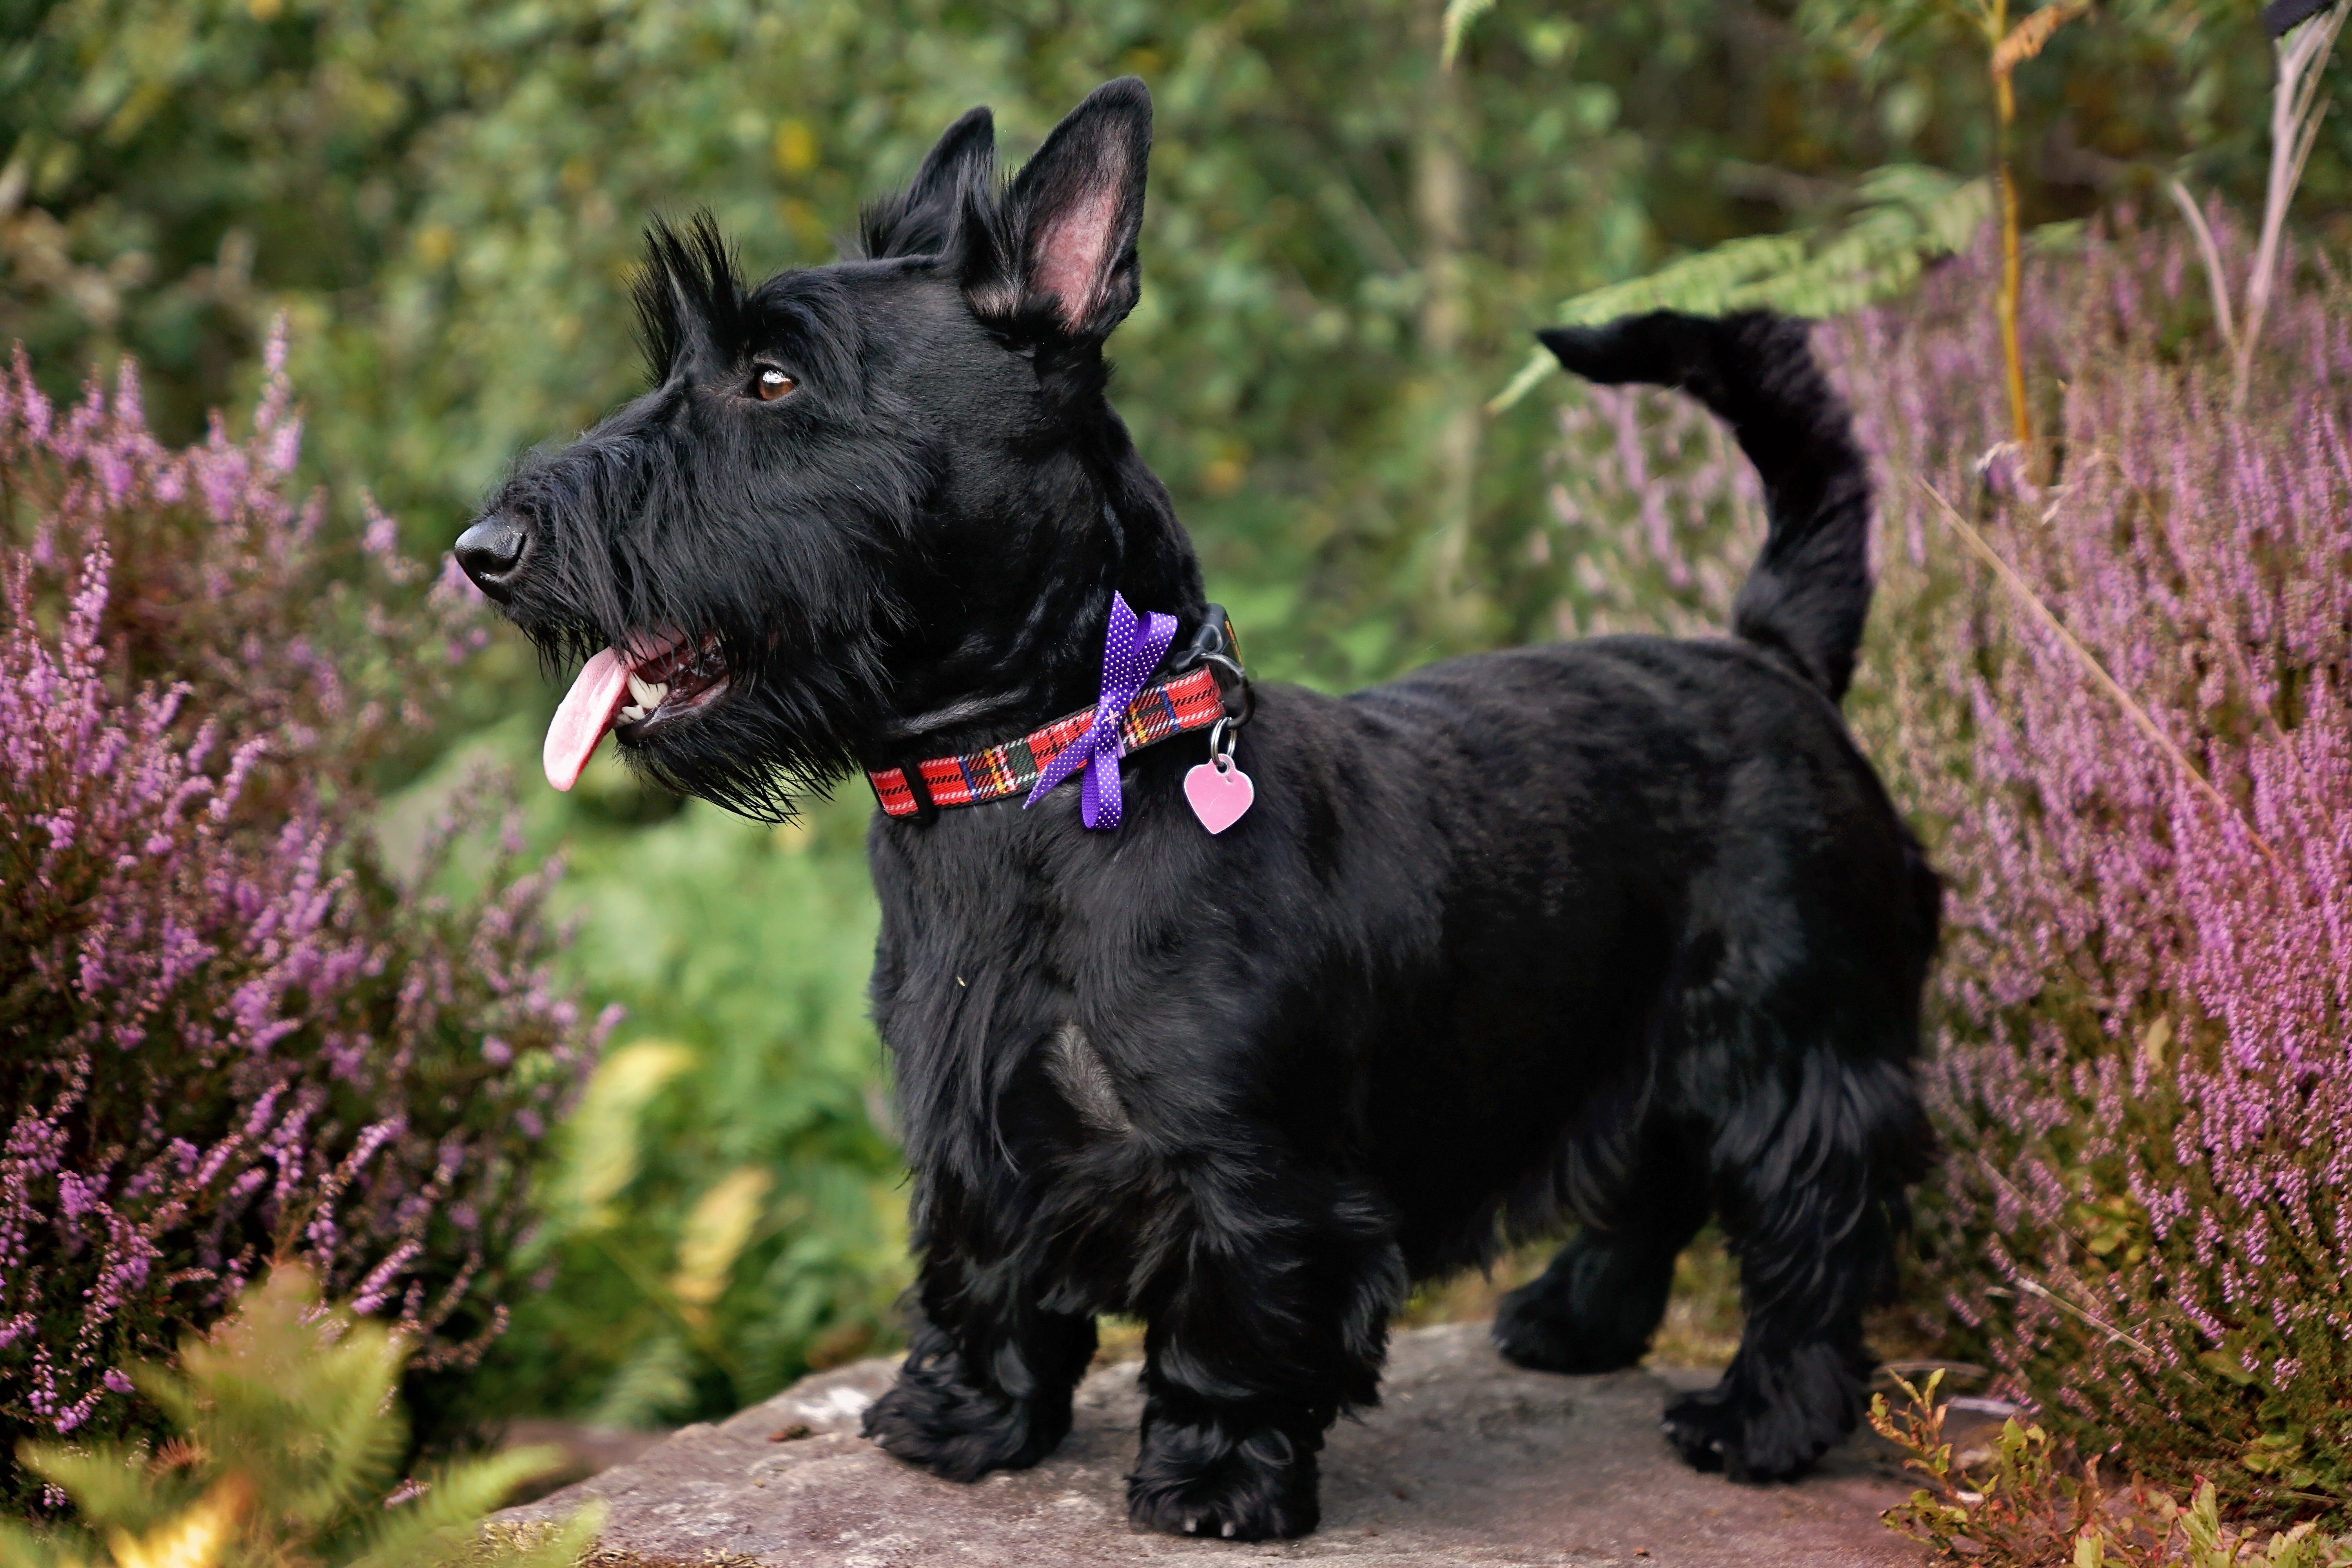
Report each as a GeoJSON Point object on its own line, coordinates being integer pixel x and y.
{"type": "Point", "coordinates": [232, 1035]}
{"type": "Point", "coordinates": [2144, 1062]}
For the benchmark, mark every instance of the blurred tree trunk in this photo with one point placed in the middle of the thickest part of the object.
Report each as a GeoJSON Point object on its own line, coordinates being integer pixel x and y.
{"type": "Point", "coordinates": [1440, 191]}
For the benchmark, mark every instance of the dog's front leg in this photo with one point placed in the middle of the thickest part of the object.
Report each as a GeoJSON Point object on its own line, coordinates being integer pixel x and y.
{"type": "Point", "coordinates": [987, 1380]}
{"type": "Point", "coordinates": [1267, 1319]}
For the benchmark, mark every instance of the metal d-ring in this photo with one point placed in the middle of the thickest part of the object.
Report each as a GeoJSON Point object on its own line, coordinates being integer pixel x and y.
{"type": "Point", "coordinates": [1221, 743]}
{"type": "Point", "coordinates": [1229, 662]}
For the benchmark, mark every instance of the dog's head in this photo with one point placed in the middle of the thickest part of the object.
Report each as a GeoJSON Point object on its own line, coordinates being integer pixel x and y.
{"type": "Point", "coordinates": [861, 504]}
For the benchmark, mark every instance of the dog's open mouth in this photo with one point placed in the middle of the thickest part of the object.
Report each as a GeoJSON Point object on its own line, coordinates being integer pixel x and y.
{"type": "Point", "coordinates": [659, 679]}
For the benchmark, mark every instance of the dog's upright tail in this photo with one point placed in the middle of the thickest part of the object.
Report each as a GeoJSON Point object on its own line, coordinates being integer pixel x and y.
{"type": "Point", "coordinates": [1806, 597]}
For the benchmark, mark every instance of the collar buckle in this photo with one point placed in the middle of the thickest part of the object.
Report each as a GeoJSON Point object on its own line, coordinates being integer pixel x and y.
{"type": "Point", "coordinates": [1217, 645]}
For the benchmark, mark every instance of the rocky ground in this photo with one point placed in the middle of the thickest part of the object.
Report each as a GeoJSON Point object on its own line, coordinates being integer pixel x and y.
{"type": "Point", "coordinates": [1468, 1460]}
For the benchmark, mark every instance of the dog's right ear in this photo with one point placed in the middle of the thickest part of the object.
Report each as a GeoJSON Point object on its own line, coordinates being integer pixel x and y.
{"type": "Point", "coordinates": [1062, 249]}
{"type": "Point", "coordinates": [920, 220]}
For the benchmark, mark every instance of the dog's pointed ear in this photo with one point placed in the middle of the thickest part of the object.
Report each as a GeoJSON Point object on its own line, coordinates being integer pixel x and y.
{"type": "Point", "coordinates": [1071, 219]}
{"type": "Point", "coordinates": [688, 295]}
{"type": "Point", "coordinates": [964, 155]}
{"type": "Point", "coordinates": [920, 220]}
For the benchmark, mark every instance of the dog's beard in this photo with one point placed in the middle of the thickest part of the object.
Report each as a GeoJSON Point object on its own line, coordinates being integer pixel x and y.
{"type": "Point", "coordinates": [700, 704]}
{"type": "Point", "coordinates": [734, 654]}
{"type": "Point", "coordinates": [692, 717]}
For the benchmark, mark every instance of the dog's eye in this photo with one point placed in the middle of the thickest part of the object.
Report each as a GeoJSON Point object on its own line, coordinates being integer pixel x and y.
{"type": "Point", "coordinates": [772, 384]}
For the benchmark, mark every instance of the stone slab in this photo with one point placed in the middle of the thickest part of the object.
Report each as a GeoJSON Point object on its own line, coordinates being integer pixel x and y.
{"type": "Point", "coordinates": [1468, 1460]}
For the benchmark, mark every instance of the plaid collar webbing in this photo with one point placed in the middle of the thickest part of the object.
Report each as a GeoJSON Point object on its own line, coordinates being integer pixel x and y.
{"type": "Point", "coordinates": [1164, 708]}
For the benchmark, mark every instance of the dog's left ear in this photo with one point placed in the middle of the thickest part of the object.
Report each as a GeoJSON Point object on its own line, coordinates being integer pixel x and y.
{"type": "Point", "coordinates": [1071, 219]}
{"type": "Point", "coordinates": [920, 220]}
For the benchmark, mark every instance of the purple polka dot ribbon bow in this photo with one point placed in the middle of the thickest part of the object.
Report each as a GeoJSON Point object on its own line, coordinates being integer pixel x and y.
{"type": "Point", "coordinates": [1131, 651]}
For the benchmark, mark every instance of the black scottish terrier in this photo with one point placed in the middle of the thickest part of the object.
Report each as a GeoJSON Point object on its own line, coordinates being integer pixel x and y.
{"type": "Point", "coordinates": [1625, 930]}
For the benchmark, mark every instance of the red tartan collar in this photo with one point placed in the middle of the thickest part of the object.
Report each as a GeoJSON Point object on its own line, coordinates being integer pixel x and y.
{"type": "Point", "coordinates": [1164, 708]}
{"type": "Point", "coordinates": [1193, 700]}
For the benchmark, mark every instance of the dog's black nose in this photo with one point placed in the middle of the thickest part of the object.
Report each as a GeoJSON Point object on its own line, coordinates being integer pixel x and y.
{"type": "Point", "coordinates": [490, 551]}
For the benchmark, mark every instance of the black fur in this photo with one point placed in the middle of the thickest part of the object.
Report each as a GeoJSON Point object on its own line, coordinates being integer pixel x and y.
{"type": "Point", "coordinates": [1625, 930]}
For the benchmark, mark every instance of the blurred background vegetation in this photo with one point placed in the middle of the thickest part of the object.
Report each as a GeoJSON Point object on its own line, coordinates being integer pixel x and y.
{"type": "Point", "coordinates": [1346, 247]}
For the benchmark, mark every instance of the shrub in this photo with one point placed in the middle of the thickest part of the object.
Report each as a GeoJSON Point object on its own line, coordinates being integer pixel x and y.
{"type": "Point", "coordinates": [728, 1202]}
{"type": "Point", "coordinates": [2144, 1069]}
{"type": "Point", "coordinates": [285, 1442]}
{"type": "Point", "coordinates": [231, 1034]}
{"type": "Point", "coordinates": [2030, 1504]}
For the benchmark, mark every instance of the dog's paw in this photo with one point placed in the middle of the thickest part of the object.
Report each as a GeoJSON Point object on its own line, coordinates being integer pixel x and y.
{"type": "Point", "coordinates": [958, 1432]}
{"type": "Point", "coordinates": [1701, 1427]}
{"type": "Point", "coordinates": [1193, 1481]}
{"type": "Point", "coordinates": [1531, 1331]}
{"type": "Point", "coordinates": [1716, 1429]}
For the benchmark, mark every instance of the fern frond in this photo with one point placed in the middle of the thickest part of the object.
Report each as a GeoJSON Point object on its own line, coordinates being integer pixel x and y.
{"type": "Point", "coordinates": [301, 1397]}
{"type": "Point", "coordinates": [715, 1231]}
{"type": "Point", "coordinates": [290, 1428]}
{"type": "Point", "coordinates": [21, 1547]}
{"type": "Point", "coordinates": [600, 1150]}
{"type": "Point", "coordinates": [1459, 14]}
{"type": "Point", "coordinates": [203, 1535]}
{"type": "Point", "coordinates": [109, 1483]}
{"type": "Point", "coordinates": [442, 1525]}
{"type": "Point", "coordinates": [651, 1384]}
{"type": "Point", "coordinates": [1905, 216]}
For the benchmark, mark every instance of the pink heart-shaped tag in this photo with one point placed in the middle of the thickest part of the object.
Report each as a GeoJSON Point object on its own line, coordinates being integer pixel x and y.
{"type": "Point", "coordinates": [1219, 796]}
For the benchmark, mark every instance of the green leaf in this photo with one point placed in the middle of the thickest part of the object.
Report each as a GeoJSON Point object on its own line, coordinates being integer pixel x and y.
{"type": "Point", "coordinates": [2224, 1365]}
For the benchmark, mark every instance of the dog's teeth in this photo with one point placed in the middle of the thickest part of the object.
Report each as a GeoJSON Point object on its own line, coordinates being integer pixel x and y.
{"type": "Point", "coordinates": [648, 693]}
{"type": "Point", "coordinates": [1191, 1527]}
{"type": "Point", "coordinates": [632, 713]}
{"type": "Point", "coordinates": [1229, 1529]}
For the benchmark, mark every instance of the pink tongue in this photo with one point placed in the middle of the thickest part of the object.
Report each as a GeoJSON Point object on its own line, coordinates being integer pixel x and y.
{"type": "Point", "coordinates": [586, 713]}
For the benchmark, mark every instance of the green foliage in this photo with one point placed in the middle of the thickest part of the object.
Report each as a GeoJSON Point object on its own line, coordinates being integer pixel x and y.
{"type": "Point", "coordinates": [446, 196]}
{"type": "Point", "coordinates": [287, 1433]}
{"type": "Point", "coordinates": [2026, 1502]}
{"type": "Point", "coordinates": [1908, 216]}
{"type": "Point", "coordinates": [725, 1206]}
{"type": "Point", "coordinates": [2133, 91]}
{"type": "Point", "coordinates": [2020, 1507]}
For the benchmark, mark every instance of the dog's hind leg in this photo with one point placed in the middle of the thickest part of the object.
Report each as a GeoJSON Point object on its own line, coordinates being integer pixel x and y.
{"type": "Point", "coordinates": [1597, 1305]}
{"type": "Point", "coordinates": [1268, 1317]}
{"type": "Point", "coordinates": [987, 1380]}
{"type": "Point", "coordinates": [1810, 1175]}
